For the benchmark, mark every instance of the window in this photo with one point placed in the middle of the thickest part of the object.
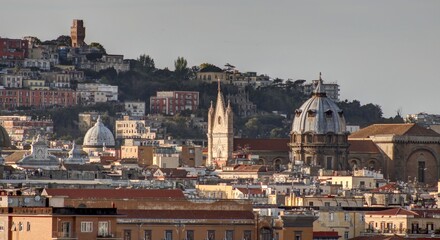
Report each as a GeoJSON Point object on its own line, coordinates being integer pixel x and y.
{"type": "Point", "coordinates": [103, 229]}
{"type": "Point", "coordinates": [345, 235]}
{"type": "Point", "coordinates": [247, 235]}
{"type": "Point", "coordinates": [309, 160]}
{"type": "Point", "coordinates": [329, 162]}
{"type": "Point", "coordinates": [211, 234]}
{"type": "Point", "coordinates": [346, 217]}
{"type": "Point", "coordinates": [127, 234]}
{"type": "Point", "coordinates": [148, 235]}
{"type": "Point", "coordinates": [189, 234]}
{"type": "Point", "coordinates": [331, 216]}
{"type": "Point", "coordinates": [28, 226]}
{"type": "Point", "coordinates": [327, 204]}
{"type": "Point", "coordinates": [86, 226]}
{"type": "Point", "coordinates": [168, 235]}
{"type": "Point", "coordinates": [229, 235]}
{"type": "Point", "coordinates": [65, 229]}
{"type": "Point", "coordinates": [298, 235]}
{"type": "Point", "coordinates": [421, 172]}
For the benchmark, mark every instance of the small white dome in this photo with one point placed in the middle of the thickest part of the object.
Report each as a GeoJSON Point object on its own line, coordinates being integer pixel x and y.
{"type": "Point", "coordinates": [319, 115]}
{"type": "Point", "coordinates": [99, 136]}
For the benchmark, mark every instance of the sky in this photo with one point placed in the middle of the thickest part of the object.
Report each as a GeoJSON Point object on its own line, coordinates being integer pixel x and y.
{"type": "Point", "coordinates": [380, 52]}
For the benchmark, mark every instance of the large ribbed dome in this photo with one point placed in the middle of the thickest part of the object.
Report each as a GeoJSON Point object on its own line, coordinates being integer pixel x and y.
{"type": "Point", "coordinates": [5, 141]}
{"type": "Point", "coordinates": [98, 136]}
{"type": "Point", "coordinates": [319, 115]}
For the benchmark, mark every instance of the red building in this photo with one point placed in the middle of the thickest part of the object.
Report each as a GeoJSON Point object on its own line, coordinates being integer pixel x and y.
{"type": "Point", "coordinates": [13, 98]}
{"type": "Point", "coordinates": [173, 102]}
{"type": "Point", "coordinates": [15, 49]}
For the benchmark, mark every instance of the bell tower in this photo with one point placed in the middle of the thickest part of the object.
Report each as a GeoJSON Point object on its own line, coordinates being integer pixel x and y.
{"type": "Point", "coordinates": [220, 132]}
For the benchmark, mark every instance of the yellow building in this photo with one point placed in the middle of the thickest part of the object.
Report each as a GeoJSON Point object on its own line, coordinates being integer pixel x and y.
{"type": "Point", "coordinates": [143, 154]}
{"type": "Point", "coordinates": [35, 84]}
{"type": "Point", "coordinates": [395, 221]}
{"type": "Point", "coordinates": [354, 182]}
{"type": "Point", "coordinates": [324, 201]}
{"type": "Point", "coordinates": [220, 191]}
{"type": "Point", "coordinates": [348, 222]}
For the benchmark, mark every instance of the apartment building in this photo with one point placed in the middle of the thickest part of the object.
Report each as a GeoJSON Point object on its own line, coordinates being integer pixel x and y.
{"type": "Point", "coordinates": [173, 102]}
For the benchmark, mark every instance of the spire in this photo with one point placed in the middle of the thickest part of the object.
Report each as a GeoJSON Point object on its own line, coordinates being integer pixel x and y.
{"type": "Point", "coordinates": [218, 85]}
{"type": "Point", "coordinates": [220, 100]}
{"type": "Point", "coordinates": [319, 91]}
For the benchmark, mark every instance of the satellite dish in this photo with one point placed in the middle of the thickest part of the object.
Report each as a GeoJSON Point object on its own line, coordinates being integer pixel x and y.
{"type": "Point", "coordinates": [37, 198]}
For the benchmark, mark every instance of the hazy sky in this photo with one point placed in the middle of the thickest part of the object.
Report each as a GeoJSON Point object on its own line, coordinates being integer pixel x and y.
{"type": "Point", "coordinates": [383, 52]}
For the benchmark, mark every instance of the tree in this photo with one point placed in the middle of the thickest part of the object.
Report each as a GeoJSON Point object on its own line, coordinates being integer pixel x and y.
{"type": "Point", "coordinates": [180, 64]}
{"type": "Point", "coordinates": [181, 69]}
{"type": "Point", "coordinates": [208, 67]}
{"type": "Point", "coordinates": [146, 63]}
{"type": "Point", "coordinates": [64, 40]}
{"type": "Point", "coordinates": [98, 46]}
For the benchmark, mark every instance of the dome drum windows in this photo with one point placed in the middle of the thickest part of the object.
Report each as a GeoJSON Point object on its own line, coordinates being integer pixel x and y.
{"type": "Point", "coordinates": [311, 113]}
{"type": "Point", "coordinates": [298, 112]}
{"type": "Point", "coordinates": [329, 113]}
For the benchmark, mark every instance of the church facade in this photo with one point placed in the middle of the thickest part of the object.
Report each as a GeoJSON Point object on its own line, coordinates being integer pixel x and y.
{"type": "Point", "coordinates": [404, 152]}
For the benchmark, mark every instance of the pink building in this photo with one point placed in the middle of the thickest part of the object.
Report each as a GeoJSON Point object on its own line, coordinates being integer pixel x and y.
{"type": "Point", "coordinates": [173, 102]}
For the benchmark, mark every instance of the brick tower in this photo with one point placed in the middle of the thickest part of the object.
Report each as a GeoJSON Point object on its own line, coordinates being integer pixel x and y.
{"type": "Point", "coordinates": [77, 33]}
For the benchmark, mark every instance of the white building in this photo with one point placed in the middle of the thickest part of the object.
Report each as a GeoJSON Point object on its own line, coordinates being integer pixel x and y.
{"type": "Point", "coordinates": [112, 61]}
{"type": "Point", "coordinates": [42, 64]}
{"type": "Point", "coordinates": [12, 81]}
{"type": "Point", "coordinates": [91, 93]}
{"type": "Point", "coordinates": [131, 128]}
{"type": "Point", "coordinates": [165, 157]}
{"type": "Point", "coordinates": [331, 89]}
{"type": "Point", "coordinates": [135, 109]}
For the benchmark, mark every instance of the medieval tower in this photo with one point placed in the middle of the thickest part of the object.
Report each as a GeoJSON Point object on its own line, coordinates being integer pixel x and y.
{"type": "Point", "coordinates": [78, 33]}
{"type": "Point", "coordinates": [220, 132]}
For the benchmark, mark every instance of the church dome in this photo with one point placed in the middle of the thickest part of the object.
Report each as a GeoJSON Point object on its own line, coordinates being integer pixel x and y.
{"type": "Point", "coordinates": [5, 141]}
{"type": "Point", "coordinates": [99, 136]}
{"type": "Point", "coordinates": [319, 115]}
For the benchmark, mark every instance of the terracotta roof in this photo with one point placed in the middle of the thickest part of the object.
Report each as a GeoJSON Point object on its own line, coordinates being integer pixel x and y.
{"type": "Point", "coordinates": [394, 211]}
{"type": "Point", "coordinates": [325, 234]}
{"type": "Point", "coordinates": [186, 214]}
{"type": "Point", "coordinates": [115, 193]}
{"type": "Point", "coordinates": [362, 146]}
{"type": "Point", "coordinates": [273, 144]}
{"type": "Point", "coordinates": [409, 129]}
{"type": "Point", "coordinates": [250, 168]}
{"type": "Point", "coordinates": [251, 190]}
{"type": "Point", "coordinates": [390, 187]}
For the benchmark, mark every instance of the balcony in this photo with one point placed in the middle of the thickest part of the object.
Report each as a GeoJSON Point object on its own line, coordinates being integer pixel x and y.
{"type": "Point", "coordinates": [64, 236]}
